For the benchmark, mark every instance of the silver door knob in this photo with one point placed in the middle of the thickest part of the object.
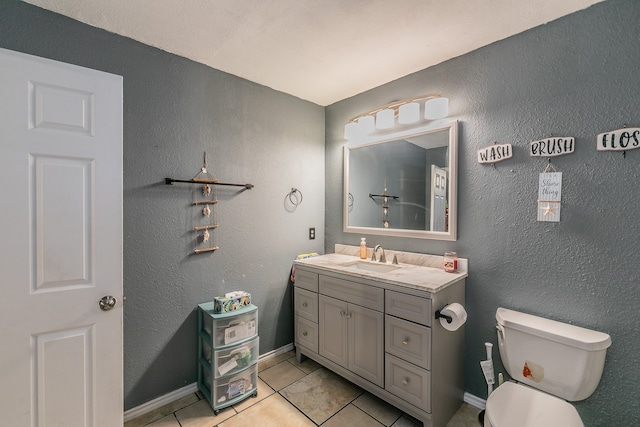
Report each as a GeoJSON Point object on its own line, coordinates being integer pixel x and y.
{"type": "Point", "coordinates": [107, 302]}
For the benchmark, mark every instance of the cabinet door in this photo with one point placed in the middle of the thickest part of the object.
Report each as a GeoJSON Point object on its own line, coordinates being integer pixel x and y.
{"type": "Point", "coordinates": [366, 343]}
{"type": "Point", "coordinates": [333, 329]}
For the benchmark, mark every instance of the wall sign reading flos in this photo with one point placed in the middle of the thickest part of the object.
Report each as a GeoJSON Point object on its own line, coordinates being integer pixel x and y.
{"type": "Point", "coordinates": [619, 140]}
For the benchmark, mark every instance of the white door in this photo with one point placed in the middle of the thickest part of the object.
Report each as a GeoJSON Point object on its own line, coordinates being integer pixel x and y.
{"type": "Point", "coordinates": [438, 199]}
{"type": "Point", "coordinates": [60, 244]}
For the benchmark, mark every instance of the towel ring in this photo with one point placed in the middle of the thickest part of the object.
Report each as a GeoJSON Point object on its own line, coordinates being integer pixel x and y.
{"type": "Point", "coordinates": [293, 196]}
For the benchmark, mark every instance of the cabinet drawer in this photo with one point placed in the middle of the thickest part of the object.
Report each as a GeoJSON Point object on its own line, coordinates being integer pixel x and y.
{"type": "Point", "coordinates": [306, 304]}
{"type": "Point", "coordinates": [306, 280]}
{"type": "Point", "coordinates": [408, 307]}
{"type": "Point", "coordinates": [408, 341]}
{"type": "Point", "coordinates": [357, 293]}
{"type": "Point", "coordinates": [408, 382]}
{"type": "Point", "coordinates": [227, 390]}
{"type": "Point", "coordinates": [233, 359]}
{"type": "Point", "coordinates": [229, 328]}
{"type": "Point", "coordinates": [306, 334]}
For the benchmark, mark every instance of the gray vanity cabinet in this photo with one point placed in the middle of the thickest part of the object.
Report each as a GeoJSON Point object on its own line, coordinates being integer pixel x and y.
{"type": "Point", "coordinates": [384, 337]}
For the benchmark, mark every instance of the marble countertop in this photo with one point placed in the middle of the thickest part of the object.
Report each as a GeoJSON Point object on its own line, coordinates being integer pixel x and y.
{"type": "Point", "coordinates": [416, 271]}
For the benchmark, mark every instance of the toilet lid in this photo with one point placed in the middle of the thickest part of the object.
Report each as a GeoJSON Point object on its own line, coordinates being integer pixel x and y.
{"type": "Point", "coordinates": [514, 404]}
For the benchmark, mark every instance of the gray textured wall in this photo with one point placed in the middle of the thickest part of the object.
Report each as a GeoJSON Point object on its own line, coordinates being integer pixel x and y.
{"type": "Point", "coordinates": [577, 76]}
{"type": "Point", "coordinates": [174, 110]}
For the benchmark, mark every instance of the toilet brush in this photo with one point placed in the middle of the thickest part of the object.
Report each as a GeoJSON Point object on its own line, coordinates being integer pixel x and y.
{"type": "Point", "coordinates": [487, 370]}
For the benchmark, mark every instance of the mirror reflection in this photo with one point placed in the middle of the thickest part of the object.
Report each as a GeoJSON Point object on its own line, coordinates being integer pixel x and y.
{"type": "Point", "coordinates": [403, 186]}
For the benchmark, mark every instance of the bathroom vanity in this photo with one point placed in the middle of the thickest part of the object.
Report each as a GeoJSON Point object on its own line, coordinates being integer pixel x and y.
{"type": "Point", "coordinates": [375, 324]}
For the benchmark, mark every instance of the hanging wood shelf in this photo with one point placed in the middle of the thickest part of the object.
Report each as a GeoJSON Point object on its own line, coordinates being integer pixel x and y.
{"type": "Point", "coordinates": [205, 227]}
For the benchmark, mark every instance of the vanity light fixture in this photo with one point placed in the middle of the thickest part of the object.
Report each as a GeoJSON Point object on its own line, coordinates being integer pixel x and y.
{"type": "Point", "coordinates": [436, 108]}
{"type": "Point", "coordinates": [409, 113]}
{"type": "Point", "coordinates": [406, 111]}
{"type": "Point", "coordinates": [385, 119]}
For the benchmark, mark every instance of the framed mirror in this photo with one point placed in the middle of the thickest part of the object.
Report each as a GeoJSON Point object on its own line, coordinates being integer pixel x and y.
{"type": "Point", "coordinates": [403, 185]}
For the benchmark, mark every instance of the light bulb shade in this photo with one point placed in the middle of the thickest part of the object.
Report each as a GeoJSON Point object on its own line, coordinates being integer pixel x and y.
{"type": "Point", "coordinates": [350, 130]}
{"type": "Point", "coordinates": [436, 108]}
{"type": "Point", "coordinates": [366, 124]}
{"type": "Point", "coordinates": [385, 118]}
{"type": "Point", "coordinates": [409, 113]}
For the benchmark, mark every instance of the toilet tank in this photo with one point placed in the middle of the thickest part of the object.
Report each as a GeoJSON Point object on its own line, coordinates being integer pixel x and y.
{"type": "Point", "coordinates": [555, 357]}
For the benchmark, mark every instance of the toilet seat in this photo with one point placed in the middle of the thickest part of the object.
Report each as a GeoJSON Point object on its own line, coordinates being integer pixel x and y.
{"type": "Point", "coordinates": [514, 404]}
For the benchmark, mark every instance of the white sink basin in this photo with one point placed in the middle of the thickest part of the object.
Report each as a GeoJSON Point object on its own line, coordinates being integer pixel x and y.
{"type": "Point", "coordinates": [372, 266]}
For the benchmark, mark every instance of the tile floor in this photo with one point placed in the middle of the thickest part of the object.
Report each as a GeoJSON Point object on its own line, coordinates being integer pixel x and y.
{"type": "Point", "coordinates": [292, 394]}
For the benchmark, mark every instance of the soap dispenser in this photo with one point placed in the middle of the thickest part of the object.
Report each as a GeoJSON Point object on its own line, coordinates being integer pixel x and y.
{"type": "Point", "coordinates": [363, 248]}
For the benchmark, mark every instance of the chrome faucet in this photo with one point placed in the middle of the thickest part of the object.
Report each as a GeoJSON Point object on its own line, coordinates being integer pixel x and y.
{"type": "Point", "coordinates": [373, 255]}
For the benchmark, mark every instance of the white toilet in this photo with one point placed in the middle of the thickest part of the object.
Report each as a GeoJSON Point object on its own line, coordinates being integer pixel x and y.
{"type": "Point", "coordinates": [563, 362]}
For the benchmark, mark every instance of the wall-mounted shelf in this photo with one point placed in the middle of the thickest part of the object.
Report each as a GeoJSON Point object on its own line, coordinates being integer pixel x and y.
{"type": "Point", "coordinates": [205, 222]}
{"type": "Point", "coordinates": [384, 195]}
{"type": "Point", "coordinates": [170, 181]}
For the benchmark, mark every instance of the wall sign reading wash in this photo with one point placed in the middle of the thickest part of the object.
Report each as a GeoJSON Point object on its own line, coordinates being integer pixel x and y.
{"type": "Point", "coordinates": [495, 153]}
{"type": "Point", "coordinates": [552, 147]}
{"type": "Point", "coordinates": [619, 140]}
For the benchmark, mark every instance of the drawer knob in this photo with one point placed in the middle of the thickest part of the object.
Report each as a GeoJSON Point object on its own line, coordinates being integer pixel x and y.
{"type": "Point", "coordinates": [405, 341]}
{"type": "Point", "coordinates": [304, 334]}
{"type": "Point", "coordinates": [304, 304]}
{"type": "Point", "coordinates": [405, 381]}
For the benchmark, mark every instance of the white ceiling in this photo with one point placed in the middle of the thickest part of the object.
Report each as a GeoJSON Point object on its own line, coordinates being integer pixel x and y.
{"type": "Point", "coordinates": [318, 50]}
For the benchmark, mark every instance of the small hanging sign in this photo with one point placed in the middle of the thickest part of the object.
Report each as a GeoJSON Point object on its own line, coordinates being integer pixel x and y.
{"type": "Point", "coordinates": [619, 140]}
{"type": "Point", "coordinates": [552, 146]}
{"type": "Point", "coordinates": [549, 195]}
{"type": "Point", "coordinates": [495, 153]}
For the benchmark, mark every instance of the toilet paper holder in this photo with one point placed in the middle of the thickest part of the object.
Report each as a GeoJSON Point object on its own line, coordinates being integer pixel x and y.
{"type": "Point", "coordinates": [444, 316]}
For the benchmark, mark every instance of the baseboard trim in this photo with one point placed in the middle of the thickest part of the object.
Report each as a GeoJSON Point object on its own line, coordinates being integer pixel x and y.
{"type": "Point", "coordinates": [159, 402]}
{"type": "Point", "coordinates": [192, 388]}
{"type": "Point", "coordinates": [187, 390]}
{"type": "Point", "coordinates": [474, 401]}
{"type": "Point", "coordinates": [275, 353]}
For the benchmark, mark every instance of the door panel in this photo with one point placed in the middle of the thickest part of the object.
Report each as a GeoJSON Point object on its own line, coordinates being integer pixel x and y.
{"type": "Point", "coordinates": [63, 217]}
{"type": "Point", "coordinates": [62, 361]}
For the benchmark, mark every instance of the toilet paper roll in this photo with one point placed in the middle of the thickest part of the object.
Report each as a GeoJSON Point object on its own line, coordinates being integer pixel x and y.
{"type": "Point", "coordinates": [458, 316]}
